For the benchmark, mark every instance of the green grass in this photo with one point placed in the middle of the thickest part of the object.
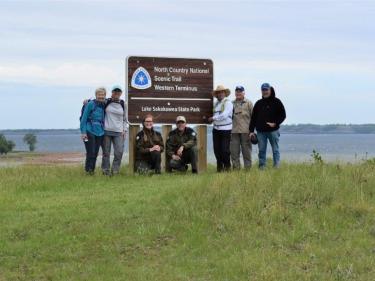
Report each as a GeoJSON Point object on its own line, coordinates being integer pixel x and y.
{"type": "Point", "coordinates": [301, 222]}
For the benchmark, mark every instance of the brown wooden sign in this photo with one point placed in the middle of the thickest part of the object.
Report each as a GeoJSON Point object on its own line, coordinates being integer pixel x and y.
{"type": "Point", "coordinates": [169, 87]}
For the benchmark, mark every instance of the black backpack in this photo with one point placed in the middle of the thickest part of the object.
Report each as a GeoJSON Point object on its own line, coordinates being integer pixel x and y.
{"type": "Point", "coordinates": [83, 109]}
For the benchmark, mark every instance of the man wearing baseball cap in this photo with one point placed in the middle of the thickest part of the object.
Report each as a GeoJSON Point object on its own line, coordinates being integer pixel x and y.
{"type": "Point", "coordinates": [268, 114]}
{"type": "Point", "coordinates": [240, 141]}
{"type": "Point", "coordinates": [181, 147]}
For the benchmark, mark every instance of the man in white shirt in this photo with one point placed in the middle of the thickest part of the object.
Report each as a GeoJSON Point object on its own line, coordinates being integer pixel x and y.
{"type": "Point", "coordinates": [222, 121]}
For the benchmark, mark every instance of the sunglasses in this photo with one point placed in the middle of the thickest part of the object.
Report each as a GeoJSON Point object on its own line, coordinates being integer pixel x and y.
{"type": "Point", "coordinates": [148, 121]}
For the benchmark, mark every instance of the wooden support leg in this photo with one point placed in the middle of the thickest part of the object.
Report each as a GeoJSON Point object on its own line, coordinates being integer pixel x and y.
{"type": "Point", "coordinates": [133, 131]}
{"type": "Point", "coordinates": [165, 129]}
{"type": "Point", "coordinates": [202, 147]}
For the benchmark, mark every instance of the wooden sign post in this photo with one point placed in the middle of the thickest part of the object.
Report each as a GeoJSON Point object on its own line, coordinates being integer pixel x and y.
{"type": "Point", "coordinates": [167, 88]}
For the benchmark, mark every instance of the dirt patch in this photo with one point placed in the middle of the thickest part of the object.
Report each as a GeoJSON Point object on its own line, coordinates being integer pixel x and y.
{"type": "Point", "coordinates": [66, 158]}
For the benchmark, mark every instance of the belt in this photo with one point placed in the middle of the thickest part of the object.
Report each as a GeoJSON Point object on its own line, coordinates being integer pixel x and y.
{"type": "Point", "coordinates": [222, 125]}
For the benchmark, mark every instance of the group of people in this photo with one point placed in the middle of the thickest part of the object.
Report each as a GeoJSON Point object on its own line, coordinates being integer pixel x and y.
{"type": "Point", "coordinates": [235, 123]}
{"type": "Point", "coordinates": [103, 123]}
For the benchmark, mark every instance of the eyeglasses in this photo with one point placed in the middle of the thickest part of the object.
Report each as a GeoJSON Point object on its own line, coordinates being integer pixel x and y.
{"type": "Point", "coordinates": [148, 121]}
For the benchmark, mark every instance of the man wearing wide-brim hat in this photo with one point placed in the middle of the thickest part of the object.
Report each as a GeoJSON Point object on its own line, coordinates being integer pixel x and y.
{"type": "Point", "coordinates": [222, 121]}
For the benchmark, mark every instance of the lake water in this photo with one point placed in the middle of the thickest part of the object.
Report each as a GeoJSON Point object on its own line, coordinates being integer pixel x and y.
{"type": "Point", "coordinates": [294, 147]}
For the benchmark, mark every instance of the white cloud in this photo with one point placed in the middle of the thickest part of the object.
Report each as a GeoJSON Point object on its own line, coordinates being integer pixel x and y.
{"type": "Point", "coordinates": [69, 73]}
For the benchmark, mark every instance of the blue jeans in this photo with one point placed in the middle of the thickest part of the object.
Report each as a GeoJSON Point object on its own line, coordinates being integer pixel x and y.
{"type": "Point", "coordinates": [273, 137]}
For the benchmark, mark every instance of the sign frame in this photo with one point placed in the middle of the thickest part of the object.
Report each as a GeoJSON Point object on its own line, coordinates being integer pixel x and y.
{"type": "Point", "coordinates": [160, 57]}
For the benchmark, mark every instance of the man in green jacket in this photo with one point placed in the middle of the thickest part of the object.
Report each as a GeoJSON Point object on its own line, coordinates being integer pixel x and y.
{"type": "Point", "coordinates": [181, 147]}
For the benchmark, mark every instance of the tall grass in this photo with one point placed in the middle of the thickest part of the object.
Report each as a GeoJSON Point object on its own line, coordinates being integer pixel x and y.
{"type": "Point", "coordinates": [300, 222]}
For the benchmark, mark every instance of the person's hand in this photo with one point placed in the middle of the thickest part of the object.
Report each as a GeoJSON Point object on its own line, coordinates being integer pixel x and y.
{"type": "Point", "coordinates": [156, 148]}
{"type": "Point", "coordinates": [210, 119]}
{"type": "Point", "coordinates": [179, 151]}
{"type": "Point", "coordinates": [272, 125]}
{"type": "Point", "coordinates": [123, 134]}
{"type": "Point", "coordinates": [251, 135]}
{"type": "Point", "coordinates": [84, 137]}
{"type": "Point", "coordinates": [86, 101]}
{"type": "Point", "coordinates": [176, 157]}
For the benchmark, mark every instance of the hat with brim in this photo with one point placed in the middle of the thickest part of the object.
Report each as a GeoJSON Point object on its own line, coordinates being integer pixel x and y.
{"type": "Point", "coordinates": [180, 119]}
{"type": "Point", "coordinates": [221, 88]}
{"type": "Point", "coordinates": [116, 88]}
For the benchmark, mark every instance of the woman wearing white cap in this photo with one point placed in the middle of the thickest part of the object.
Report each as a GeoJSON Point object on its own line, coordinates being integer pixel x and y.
{"type": "Point", "coordinates": [222, 121]}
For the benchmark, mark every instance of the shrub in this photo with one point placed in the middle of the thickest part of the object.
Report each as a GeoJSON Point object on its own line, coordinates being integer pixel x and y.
{"type": "Point", "coordinates": [5, 145]}
{"type": "Point", "coordinates": [31, 141]}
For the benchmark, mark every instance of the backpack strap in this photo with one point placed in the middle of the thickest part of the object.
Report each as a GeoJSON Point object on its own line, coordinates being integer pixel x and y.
{"type": "Point", "coordinates": [222, 108]}
{"type": "Point", "coordinates": [109, 101]}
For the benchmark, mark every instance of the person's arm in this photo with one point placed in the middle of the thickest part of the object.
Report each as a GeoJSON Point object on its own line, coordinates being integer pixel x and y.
{"type": "Point", "coordinates": [192, 141]}
{"type": "Point", "coordinates": [170, 150]}
{"type": "Point", "coordinates": [140, 145]}
{"type": "Point", "coordinates": [125, 123]}
{"type": "Point", "coordinates": [228, 111]}
{"type": "Point", "coordinates": [85, 116]}
{"type": "Point", "coordinates": [281, 115]}
{"type": "Point", "coordinates": [161, 143]}
{"type": "Point", "coordinates": [250, 108]}
{"type": "Point", "coordinates": [253, 118]}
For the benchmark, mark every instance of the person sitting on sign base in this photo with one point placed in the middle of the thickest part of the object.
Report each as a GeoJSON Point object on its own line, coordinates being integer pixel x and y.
{"type": "Point", "coordinates": [181, 147]}
{"type": "Point", "coordinates": [149, 146]}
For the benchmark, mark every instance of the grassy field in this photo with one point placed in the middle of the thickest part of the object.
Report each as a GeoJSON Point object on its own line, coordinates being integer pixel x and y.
{"type": "Point", "coordinates": [301, 222]}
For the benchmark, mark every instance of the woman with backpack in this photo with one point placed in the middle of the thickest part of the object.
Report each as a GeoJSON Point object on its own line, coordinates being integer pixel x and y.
{"type": "Point", "coordinates": [92, 128]}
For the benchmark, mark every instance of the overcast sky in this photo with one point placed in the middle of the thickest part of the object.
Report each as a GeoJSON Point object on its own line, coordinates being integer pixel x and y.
{"type": "Point", "coordinates": [319, 55]}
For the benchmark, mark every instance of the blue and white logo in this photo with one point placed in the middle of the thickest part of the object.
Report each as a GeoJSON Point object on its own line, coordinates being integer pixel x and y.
{"type": "Point", "coordinates": [141, 79]}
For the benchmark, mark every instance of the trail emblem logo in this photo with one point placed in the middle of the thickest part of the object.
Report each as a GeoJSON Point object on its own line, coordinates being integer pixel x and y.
{"type": "Point", "coordinates": [141, 79]}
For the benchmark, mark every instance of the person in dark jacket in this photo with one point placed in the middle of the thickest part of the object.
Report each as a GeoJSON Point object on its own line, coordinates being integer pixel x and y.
{"type": "Point", "coordinates": [149, 146]}
{"type": "Point", "coordinates": [268, 114]}
{"type": "Point", "coordinates": [181, 147]}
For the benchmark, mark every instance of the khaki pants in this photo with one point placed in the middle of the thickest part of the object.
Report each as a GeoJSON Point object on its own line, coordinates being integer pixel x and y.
{"type": "Point", "coordinates": [240, 143]}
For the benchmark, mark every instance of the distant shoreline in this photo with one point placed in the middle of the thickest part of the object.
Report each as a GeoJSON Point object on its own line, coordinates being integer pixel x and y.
{"type": "Point", "coordinates": [286, 129]}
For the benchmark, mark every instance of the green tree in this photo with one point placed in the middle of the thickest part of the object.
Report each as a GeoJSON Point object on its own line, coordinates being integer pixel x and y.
{"type": "Point", "coordinates": [5, 145]}
{"type": "Point", "coordinates": [31, 141]}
